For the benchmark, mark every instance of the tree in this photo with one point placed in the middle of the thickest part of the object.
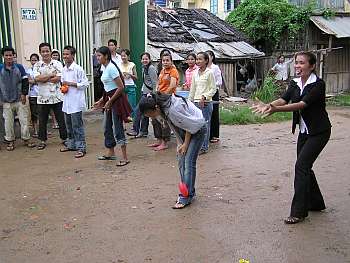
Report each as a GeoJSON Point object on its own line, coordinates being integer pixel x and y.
{"type": "Point", "coordinates": [267, 21]}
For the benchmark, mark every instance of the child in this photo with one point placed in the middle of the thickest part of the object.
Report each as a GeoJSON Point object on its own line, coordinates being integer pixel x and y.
{"type": "Point", "coordinates": [188, 124]}
{"type": "Point", "coordinates": [74, 77]}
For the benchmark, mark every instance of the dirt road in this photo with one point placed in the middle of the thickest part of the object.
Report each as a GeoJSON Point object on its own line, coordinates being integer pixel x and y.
{"type": "Point", "coordinates": [56, 209]}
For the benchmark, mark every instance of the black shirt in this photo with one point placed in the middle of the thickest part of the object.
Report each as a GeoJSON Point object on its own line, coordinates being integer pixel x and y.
{"type": "Point", "coordinates": [314, 114]}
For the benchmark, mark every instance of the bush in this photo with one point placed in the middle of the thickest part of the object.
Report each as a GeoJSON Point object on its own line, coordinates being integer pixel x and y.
{"type": "Point", "coordinates": [269, 91]}
{"type": "Point", "coordinates": [243, 115]}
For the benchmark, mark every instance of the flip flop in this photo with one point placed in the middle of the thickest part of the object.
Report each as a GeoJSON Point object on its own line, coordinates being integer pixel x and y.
{"type": "Point", "coordinates": [41, 146]}
{"type": "Point", "coordinates": [63, 150]}
{"type": "Point", "coordinates": [79, 154]}
{"type": "Point", "coordinates": [106, 158]}
{"type": "Point", "coordinates": [179, 205]}
{"type": "Point", "coordinates": [160, 148]}
{"type": "Point", "coordinates": [153, 145]}
{"type": "Point", "coordinates": [122, 163]}
{"type": "Point", "coordinates": [10, 147]}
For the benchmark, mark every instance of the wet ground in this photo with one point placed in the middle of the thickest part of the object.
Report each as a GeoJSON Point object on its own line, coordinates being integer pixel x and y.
{"type": "Point", "coordinates": [54, 208]}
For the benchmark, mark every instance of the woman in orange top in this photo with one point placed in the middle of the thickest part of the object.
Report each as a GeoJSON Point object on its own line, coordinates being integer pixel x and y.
{"type": "Point", "coordinates": [167, 82]}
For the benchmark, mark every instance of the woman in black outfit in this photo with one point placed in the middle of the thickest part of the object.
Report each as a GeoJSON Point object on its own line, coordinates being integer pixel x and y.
{"type": "Point", "coordinates": [307, 95]}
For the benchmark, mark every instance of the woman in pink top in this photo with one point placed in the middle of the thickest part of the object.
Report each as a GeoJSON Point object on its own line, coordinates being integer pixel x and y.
{"type": "Point", "coordinates": [192, 67]}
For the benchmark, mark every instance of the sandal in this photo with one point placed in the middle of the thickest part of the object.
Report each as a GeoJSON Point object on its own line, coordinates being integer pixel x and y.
{"type": "Point", "coordinates": [214, 140]}
{"type": "Point", "coordinates": [153, 144]}
{"type": "Point", "coordinates": [122, 163]}
{"type": "Point", "coordinates": [41, 146]}
{"type": "Point", "coordinates": [179, 205]}
{"type": "Point", "coordinates": [106, 158]}
{"type": "Point", "coordinates": [161, 148]}
{"type": "Point", "coordinates": [10, 147]}
{"type": "Point", "coordinates": [65, 149]}
{"type": "Point", "coordinates": [293, 220]}
{"type": "Point", "coordinates": [79, 154]}
{"type": "Point", "coordinates": [29, 144]}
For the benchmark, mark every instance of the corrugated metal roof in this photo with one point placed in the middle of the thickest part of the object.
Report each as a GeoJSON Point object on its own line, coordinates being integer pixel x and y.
{"type": "Point", "coordinates": [228, 50]}
{"type": "Point", "coordinates": [337, 26]}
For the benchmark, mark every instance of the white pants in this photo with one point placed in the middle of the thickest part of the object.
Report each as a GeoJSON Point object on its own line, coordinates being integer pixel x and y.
{"type": "Point", "coordinates": [23, 113]}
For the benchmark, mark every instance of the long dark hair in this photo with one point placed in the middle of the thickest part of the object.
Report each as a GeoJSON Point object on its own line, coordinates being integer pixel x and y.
{"type": "Point", "coordinates": [152, 100]}
{"type": "Point", "coordinates": [150, 62]}
{"type": "Point", "coordinates": [106, 52]}
{"type": "Point", "coordinates": [211, 53]}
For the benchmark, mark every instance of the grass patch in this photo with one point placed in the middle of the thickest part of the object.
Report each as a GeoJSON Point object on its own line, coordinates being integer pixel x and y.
{"type": "Point", "coordinates": [243, 115]}
{"type": "Point", "coordinates": [339, 100]}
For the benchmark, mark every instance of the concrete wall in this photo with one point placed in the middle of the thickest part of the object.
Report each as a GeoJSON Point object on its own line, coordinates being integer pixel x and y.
{"type": "Point", "coordinates": [28, 33]}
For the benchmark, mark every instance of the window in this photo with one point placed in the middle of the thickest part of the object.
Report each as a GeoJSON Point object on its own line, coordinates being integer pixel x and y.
{"type": "Point", "coordinates": [214, 6]}
{"type": "Point", "coordinates": [227, 5]}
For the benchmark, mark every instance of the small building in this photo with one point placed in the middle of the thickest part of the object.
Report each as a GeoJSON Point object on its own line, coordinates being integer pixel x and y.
{"type": "Point", "coordinates": [331, 37]}
{"type": "Point", "coordinates": [183, 31]}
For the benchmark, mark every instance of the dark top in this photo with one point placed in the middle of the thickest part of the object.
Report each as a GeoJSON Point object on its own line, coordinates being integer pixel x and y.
{"type": "Point", "coordinates": [314, 114]}
{"type": "Point", "coordinates": [13, 83]}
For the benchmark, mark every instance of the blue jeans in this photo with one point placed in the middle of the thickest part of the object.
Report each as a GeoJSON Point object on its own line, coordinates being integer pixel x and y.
{"type": "Point", "coordinates": [188, 164]}
{"type": "Point", "coordinates": [75, 131]}
{"type": "Point", "coordinates": [207, 111]}
{"type": "Point", "coordinates": [141, 122]}
{"type": "Point", "coordinates": [113, 129]}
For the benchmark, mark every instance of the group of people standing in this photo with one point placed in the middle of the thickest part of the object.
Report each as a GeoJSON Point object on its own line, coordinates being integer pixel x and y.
{"type": "Point", "coordinates": [194, 121]}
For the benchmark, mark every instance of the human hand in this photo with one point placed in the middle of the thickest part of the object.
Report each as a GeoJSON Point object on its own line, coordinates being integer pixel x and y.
{"type": "Point", "coordinates": [108, 105]}
{"type": "Point", "coordinates": [182, 149]}
{"type": "Point", "coordinates": [98, 105]}
{"type": "Point", "coordinates": [23, 99]}
{"type": "Point", "coordinates": [259, 107]}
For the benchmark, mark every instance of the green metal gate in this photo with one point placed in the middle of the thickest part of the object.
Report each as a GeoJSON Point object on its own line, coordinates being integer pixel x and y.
{"type": "Point", "coordinates": [137, 31]}
{"type": "Point", "coordinates": [6, 38]}
{"type": "Point", "coordinates": [69, 22]}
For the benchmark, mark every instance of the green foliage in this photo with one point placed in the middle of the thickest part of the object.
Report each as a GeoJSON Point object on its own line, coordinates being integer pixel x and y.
{"type": "Point", "coordinates": [339, 100]}
{"type": "Point", "coordinates": [243, 115]}
{"type": "Point", "coordinates": [268, 21]}
{"type": "Point", "coordinates": [328, 13]}
{"type": "Point", "coordinates": [268, 91]}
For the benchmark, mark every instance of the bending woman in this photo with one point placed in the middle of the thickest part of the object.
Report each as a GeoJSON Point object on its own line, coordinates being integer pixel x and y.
{"type": "Point", "coordinates": [188, 124]}
{"type": "Point", "coordinates": [307, 95]}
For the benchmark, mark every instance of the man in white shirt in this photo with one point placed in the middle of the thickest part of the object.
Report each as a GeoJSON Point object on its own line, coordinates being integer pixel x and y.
{"type": "Point", "coordinates": [113, 45]}
{"type": "Point", "coordinates": [74, 78]}
{"type": "Point", "coordinates": [47, 74]}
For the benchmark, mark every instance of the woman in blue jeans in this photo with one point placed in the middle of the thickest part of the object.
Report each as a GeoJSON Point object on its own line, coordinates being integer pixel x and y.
{"type": "Point", "coordinates": [202, 91]}
{"type": "Point", "coordinates": [115, 105]}
{"type": "Point", "coordinates": [189, 126]}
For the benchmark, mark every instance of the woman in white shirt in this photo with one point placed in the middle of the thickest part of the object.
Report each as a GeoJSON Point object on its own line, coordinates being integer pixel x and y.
{"type": "Point", "coordinates": [188, 124]}
{"type": "Point", "coordinates": [128, 69]}
{"type": "Point", "coordinates": [33, 94]}
{"type": "Point", "coordinates": [215, 118]}
{"type": "Point", "coordinates": [281, 68]}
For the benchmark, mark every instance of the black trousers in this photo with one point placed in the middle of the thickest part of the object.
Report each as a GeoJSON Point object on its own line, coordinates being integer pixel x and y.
{"type": "Point", "coordinates": [44, 110]}
{"type": "Point", "coordinates": [215, 118]}
{"type": "Point", "coordinates": [307, 194]}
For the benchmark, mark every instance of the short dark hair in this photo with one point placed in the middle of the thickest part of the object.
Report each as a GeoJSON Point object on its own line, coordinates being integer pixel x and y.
{"type": "Point", "coordinates": [311, 58]}
{"type": "Point", "coordinates": [44, 44]}
{"type": "Point", "coordinates": [113, 41]}
{"type": "Point", "coordinates": [71, 49]}
{"type": "Point", "coordinates": [6, 49]}
{"type": "Point", "coordinates": [34, 55]}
